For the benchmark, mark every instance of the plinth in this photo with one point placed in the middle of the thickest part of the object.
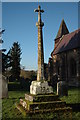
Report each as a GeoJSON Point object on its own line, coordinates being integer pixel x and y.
{"type": "Point", "coordinates": [44, 106]}
{"type": "Point", "coordinates": [40, 87]}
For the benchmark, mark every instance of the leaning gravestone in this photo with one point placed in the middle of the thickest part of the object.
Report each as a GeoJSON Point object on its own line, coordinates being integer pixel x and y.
{"type": "Point", "coordinates": [62, 88]}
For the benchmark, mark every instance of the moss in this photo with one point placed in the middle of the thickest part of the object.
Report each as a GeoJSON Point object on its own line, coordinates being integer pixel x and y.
{"type": "Point", "coordinates": [48, 97]}
{"type": "Point", "coordinates": [20, 108]}
{"type": "Point", "coordinates": [42, 114]}
{"type": "Point", "coordinates": [45, 105]}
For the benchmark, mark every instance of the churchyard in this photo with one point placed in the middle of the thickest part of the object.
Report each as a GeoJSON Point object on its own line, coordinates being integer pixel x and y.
{"type": "Point", "coordinates": [9, 110]}
{"type": "Point", "coordinates": [36, 98]}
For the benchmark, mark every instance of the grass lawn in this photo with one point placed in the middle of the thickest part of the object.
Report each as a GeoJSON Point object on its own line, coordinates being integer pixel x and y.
{"type": "Point", "coordinates": [8, 105]}
{"type": "Point", "coordinates": [73, 96]}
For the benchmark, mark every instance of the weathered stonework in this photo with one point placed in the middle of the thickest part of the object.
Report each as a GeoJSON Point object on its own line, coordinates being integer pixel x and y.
{"type": "Point", "coordinates": [62, 89]}
{"type": "Point", "coordinates": [40, 87]}
{"type": "Point", "coordinates": [67, 67]}
{"type": "Point", "coordinates": [41, 99]}
{"type": "Point", "coordinates": [65, 58]}
{"type": "Point", "coordinates": [40, 24]}
{"type": "Point", "coordinates": [4, 87]}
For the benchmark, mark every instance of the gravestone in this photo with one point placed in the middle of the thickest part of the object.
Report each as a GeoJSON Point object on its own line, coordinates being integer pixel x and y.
{"type": "Point", "coordinates": [4, 87]}
{"type": "Point", "coordinates": [62, 88]}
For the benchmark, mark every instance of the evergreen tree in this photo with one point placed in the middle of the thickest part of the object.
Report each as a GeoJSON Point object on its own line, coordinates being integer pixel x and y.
{"type": "Point", "coordinates": [4, 62]}
{"type": "Point", "coordinates": [15, 53]}
{"type": "Point", "coordinates": [4, 56]}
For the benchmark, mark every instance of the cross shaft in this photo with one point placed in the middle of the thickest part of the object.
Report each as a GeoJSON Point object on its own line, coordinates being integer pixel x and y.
{"type": "Point", "coordinates": [40, 24]}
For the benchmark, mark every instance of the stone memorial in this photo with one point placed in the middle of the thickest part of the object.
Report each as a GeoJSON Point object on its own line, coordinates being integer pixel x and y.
{"type": "Point", "coordinates": [40, 86]}
{"type": "Point", "coordinates": [62, 88]}
{"type": "Point", "coordinates": [41, 98]}
{"type": "Point", "coordinates": [4, 87]}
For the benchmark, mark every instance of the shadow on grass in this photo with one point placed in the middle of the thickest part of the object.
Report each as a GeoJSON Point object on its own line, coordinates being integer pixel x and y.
{"type": "Point", "coordinates": [75, 107]}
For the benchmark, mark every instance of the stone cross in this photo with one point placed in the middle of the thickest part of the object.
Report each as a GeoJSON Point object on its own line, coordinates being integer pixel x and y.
{"type": "Point", "coordinates": [40, 86]}
{"type": "Point", "coordinates": [40, 24]}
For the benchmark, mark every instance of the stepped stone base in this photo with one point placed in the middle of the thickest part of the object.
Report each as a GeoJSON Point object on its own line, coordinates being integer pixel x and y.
{"type": "Point", "coordinates": [42, 104]}
{"type": "Point", "coordinates": [40, 87]}
{"type": "Point", "coordinates": [40, 98]}
{"type": "Point", "coordinates": [56, 110]}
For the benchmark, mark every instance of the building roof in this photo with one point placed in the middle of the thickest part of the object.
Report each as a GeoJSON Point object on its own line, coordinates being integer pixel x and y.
{"type": "Point", "coordinates": [62, 29]}
{"type": "Point", "coordinates": [68, 42]}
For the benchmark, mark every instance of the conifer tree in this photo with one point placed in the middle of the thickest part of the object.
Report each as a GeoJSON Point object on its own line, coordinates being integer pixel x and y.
{"type": "Point", "coordinates": [15, 53]}
{"type": "Point", "coordinates": [3, 55]}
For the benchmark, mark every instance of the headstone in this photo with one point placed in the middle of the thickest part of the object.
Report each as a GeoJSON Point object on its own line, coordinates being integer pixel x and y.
{"type": "Point", "coordinates": [4, 87]}
{"type": "Point", "coordinates": [62, 88]}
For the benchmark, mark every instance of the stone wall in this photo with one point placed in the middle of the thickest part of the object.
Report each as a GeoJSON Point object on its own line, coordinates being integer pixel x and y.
{"type": "Point", "coordinates": [66, 66]}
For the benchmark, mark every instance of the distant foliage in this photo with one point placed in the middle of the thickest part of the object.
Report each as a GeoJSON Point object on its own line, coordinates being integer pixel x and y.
{"type": "Point", "coordinates": [29, 74]}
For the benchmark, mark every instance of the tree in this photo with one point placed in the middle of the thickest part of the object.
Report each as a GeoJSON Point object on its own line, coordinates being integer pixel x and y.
{"type": "Point", "coordinates": [4, 56]}
{"type": "Point", "coordinates": [15, 53]}
{"type": "Point", "coordinates": [4, 62]}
